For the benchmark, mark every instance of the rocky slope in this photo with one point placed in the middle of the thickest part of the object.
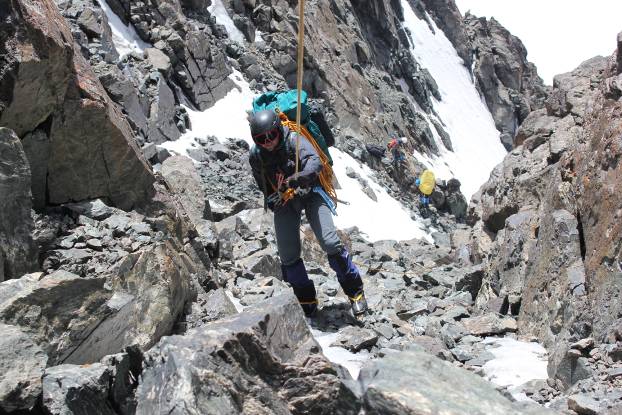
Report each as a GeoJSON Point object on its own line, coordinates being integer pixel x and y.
{"type": "Point", "coordinates": [498, 60]}
{"type": "Point", "coordinates": [545, 227]}
{"type": "Point", "coordinates": [117, 284]}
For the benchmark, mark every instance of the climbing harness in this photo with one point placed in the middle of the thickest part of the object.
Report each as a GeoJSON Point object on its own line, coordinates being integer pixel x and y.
{"type": "Point", "coordinates": [329, 202]}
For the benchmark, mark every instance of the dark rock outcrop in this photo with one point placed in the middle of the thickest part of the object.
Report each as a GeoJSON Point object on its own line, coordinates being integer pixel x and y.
{"type": "Point", "coordinates": [21, 366]}
{"type": "Point", "coordinates": [507, 81]}
{"type": "Point", "coordinates": [198, 64]}
{"type": "Point", "coordinates": [264, 360]}
{"type": "Point", "coordinates": [546, 223]}
{"type": "Point", "coordinates": [18, 253]}
{"type": "Point", "coordinates": [90, 151]}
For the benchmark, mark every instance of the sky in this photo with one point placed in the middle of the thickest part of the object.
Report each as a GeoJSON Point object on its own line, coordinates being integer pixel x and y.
{"type": "Point", "coordinates": [558, 34]}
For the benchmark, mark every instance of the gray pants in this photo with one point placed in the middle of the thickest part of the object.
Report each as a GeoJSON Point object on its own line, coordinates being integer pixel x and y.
{"type": "Point", "coordinates": [287, 227]}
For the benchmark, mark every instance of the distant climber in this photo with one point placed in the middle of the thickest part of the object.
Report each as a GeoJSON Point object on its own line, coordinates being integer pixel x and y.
{"type": "Point", "coordinates": [287, 193]}
{"type": "Point", "coordinates": [395, 146]}
{"type": "Point", "coordinates": [425, 184]}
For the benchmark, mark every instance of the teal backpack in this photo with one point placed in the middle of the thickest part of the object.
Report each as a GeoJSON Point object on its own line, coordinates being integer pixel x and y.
{"type": "Point", "coordinates": [286, 102]}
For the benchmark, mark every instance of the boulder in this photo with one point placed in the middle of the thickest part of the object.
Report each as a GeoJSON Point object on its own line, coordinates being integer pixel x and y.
{"type": "Point", "coordinates": [48, 84]}
{"type": "Point", "coordinates": [103, 388]}
{"type": "Point", "coordinates": [72, 389]}
{"type": "Point", "coordinates": [18, 252]}
{"type": "Point", "coordinates": [414, 382]}
{"type": "Point", "coordinates": [21, 367]}
{"type": "Point", "coordinates": [263, 360]}
{"type": "Point", "coordinates": [151, 290]}
{"type": "Point", "coordinates": [489, 324]}
{"type": "Point", "coordinates": [58, 310]}
{"type": "Point", "coordinates": [185, 184]}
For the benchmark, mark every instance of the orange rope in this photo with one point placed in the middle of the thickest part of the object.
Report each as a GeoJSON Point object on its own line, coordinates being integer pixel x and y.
{"type": "Point", "coordinates": [326, 175]}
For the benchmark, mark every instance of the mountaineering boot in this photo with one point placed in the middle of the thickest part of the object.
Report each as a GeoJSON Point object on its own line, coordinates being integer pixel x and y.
{"type": "Point", "coordinates": [304, 289]}
{"type": "Point", "coordinates": [350, 280]}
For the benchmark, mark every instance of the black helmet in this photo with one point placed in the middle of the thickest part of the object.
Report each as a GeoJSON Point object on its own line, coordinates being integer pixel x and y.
{"type": "Point", "coordinates": [264, 124]}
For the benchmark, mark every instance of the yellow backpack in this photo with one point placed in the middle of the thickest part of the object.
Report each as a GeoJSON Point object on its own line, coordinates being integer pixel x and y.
{"type": "Point", "coordinates": [427, 181]}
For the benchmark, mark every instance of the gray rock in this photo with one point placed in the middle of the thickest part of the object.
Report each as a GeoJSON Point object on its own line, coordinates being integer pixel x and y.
{"type": "Point", "coordinates": [489, 324]}
{"type": "Point", "coordinates": [262, 262]}
{"type": "Point", "coordinates": [470, 280]}
{"type": "Point", "coordinates": [91, 151]}
{"type": "Point", "coordinates": [158, 60]}
{"type": "Point", "coordinates": [94, 209]}
{"type": "Point", "coordinates": [418, 383]}
{"type": "Point", "coordinates": [510, 94]}
{"type": "Point", "coordinates": [37, 148]}
{"type": "Point", "coordinates": [42, 309]}
{"type": "Point", "coordinates": [214, 306]}
{"type": "Point", "coordinates": [569, 368]}
{"type": "Point", "coordinates": [584, 405]}
{"type": "Point", "coordinates": [356, 339]}
{"type": "Point", "coordinates": [21, 367]}
{"type": "Point", "coordinates": [152, 288]}
{"type": "Point", "coordinates": [184, 181]}
{"type": "Point", "coordinates": [71, 389]}
{"type": "Point", "coordinates": [434, 346]}
{"type": "Point", "coordinates": [264, 358]}
{"type": "Point", "coordinates": [18, 253]}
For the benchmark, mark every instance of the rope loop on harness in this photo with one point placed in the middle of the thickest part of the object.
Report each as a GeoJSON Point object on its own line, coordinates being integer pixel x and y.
{"type": "Point", "coordinates": [326, 175]}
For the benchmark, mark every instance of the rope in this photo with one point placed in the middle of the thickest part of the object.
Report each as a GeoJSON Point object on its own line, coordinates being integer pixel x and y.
{"type": "Point", "coordinates": [300, 61]}
{"type": "Point", "coordinates": [326, 175]}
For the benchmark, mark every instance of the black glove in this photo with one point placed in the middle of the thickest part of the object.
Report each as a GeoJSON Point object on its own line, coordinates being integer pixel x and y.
{"type": "Point", "coordinates": [274, 202]}
{"type": "Point", "coordinates": [299, 180]}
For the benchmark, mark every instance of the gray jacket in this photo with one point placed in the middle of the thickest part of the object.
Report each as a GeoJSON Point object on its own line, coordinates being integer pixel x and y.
{"type": "Point", "coordinates": [266, 165]}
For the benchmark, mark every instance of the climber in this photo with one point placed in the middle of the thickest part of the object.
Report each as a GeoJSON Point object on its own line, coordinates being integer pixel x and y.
{"type": "Point", "coordinates": [425, 184]}
{"type": "Point", "coordinates": [287, 193]}
{"type": "Point", "coordinates": [395, 146]}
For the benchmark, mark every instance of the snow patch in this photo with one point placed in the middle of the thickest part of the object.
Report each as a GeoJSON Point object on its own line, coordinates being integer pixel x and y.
{"type": "Point", "coordinates": [218, 10]}
{"type": "Point", "coordinates": [351, 361]}
{"type": "Point", "coordinates": [475, 140]}
{"type": "Point", "coordinates": [515, 363]}
{"type": "Point", "coordinates": [225, 120]}
{"type": "Point", "coordinates": [124, 37]}
{"type": "Point", "coordinates": [384, 219]}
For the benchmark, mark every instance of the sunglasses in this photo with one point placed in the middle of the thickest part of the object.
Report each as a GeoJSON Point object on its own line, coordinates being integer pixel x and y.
{"type": "Point", "coordinates": [268, 137]}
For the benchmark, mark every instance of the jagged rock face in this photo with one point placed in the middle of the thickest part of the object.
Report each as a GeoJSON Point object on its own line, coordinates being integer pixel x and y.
{"type": "Point", "coordinates": [88, 152]}
{"type": "Point", "coordinates": [140, 84]}
{"type": "Point", "coordinates": [598, 179]}
{"type": "Point", "coordinates": [498, 61]}
{"type": "Point", "coordinates": [18, 253]}
{"type": "Point", "coordinates": [508, 82]}
{"type": "Point", "coordinates": [552, 210]}
{"type": "Point", "coordinates": [262, 361]}
{"type": "Point", "coordinates": [198, 63]}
